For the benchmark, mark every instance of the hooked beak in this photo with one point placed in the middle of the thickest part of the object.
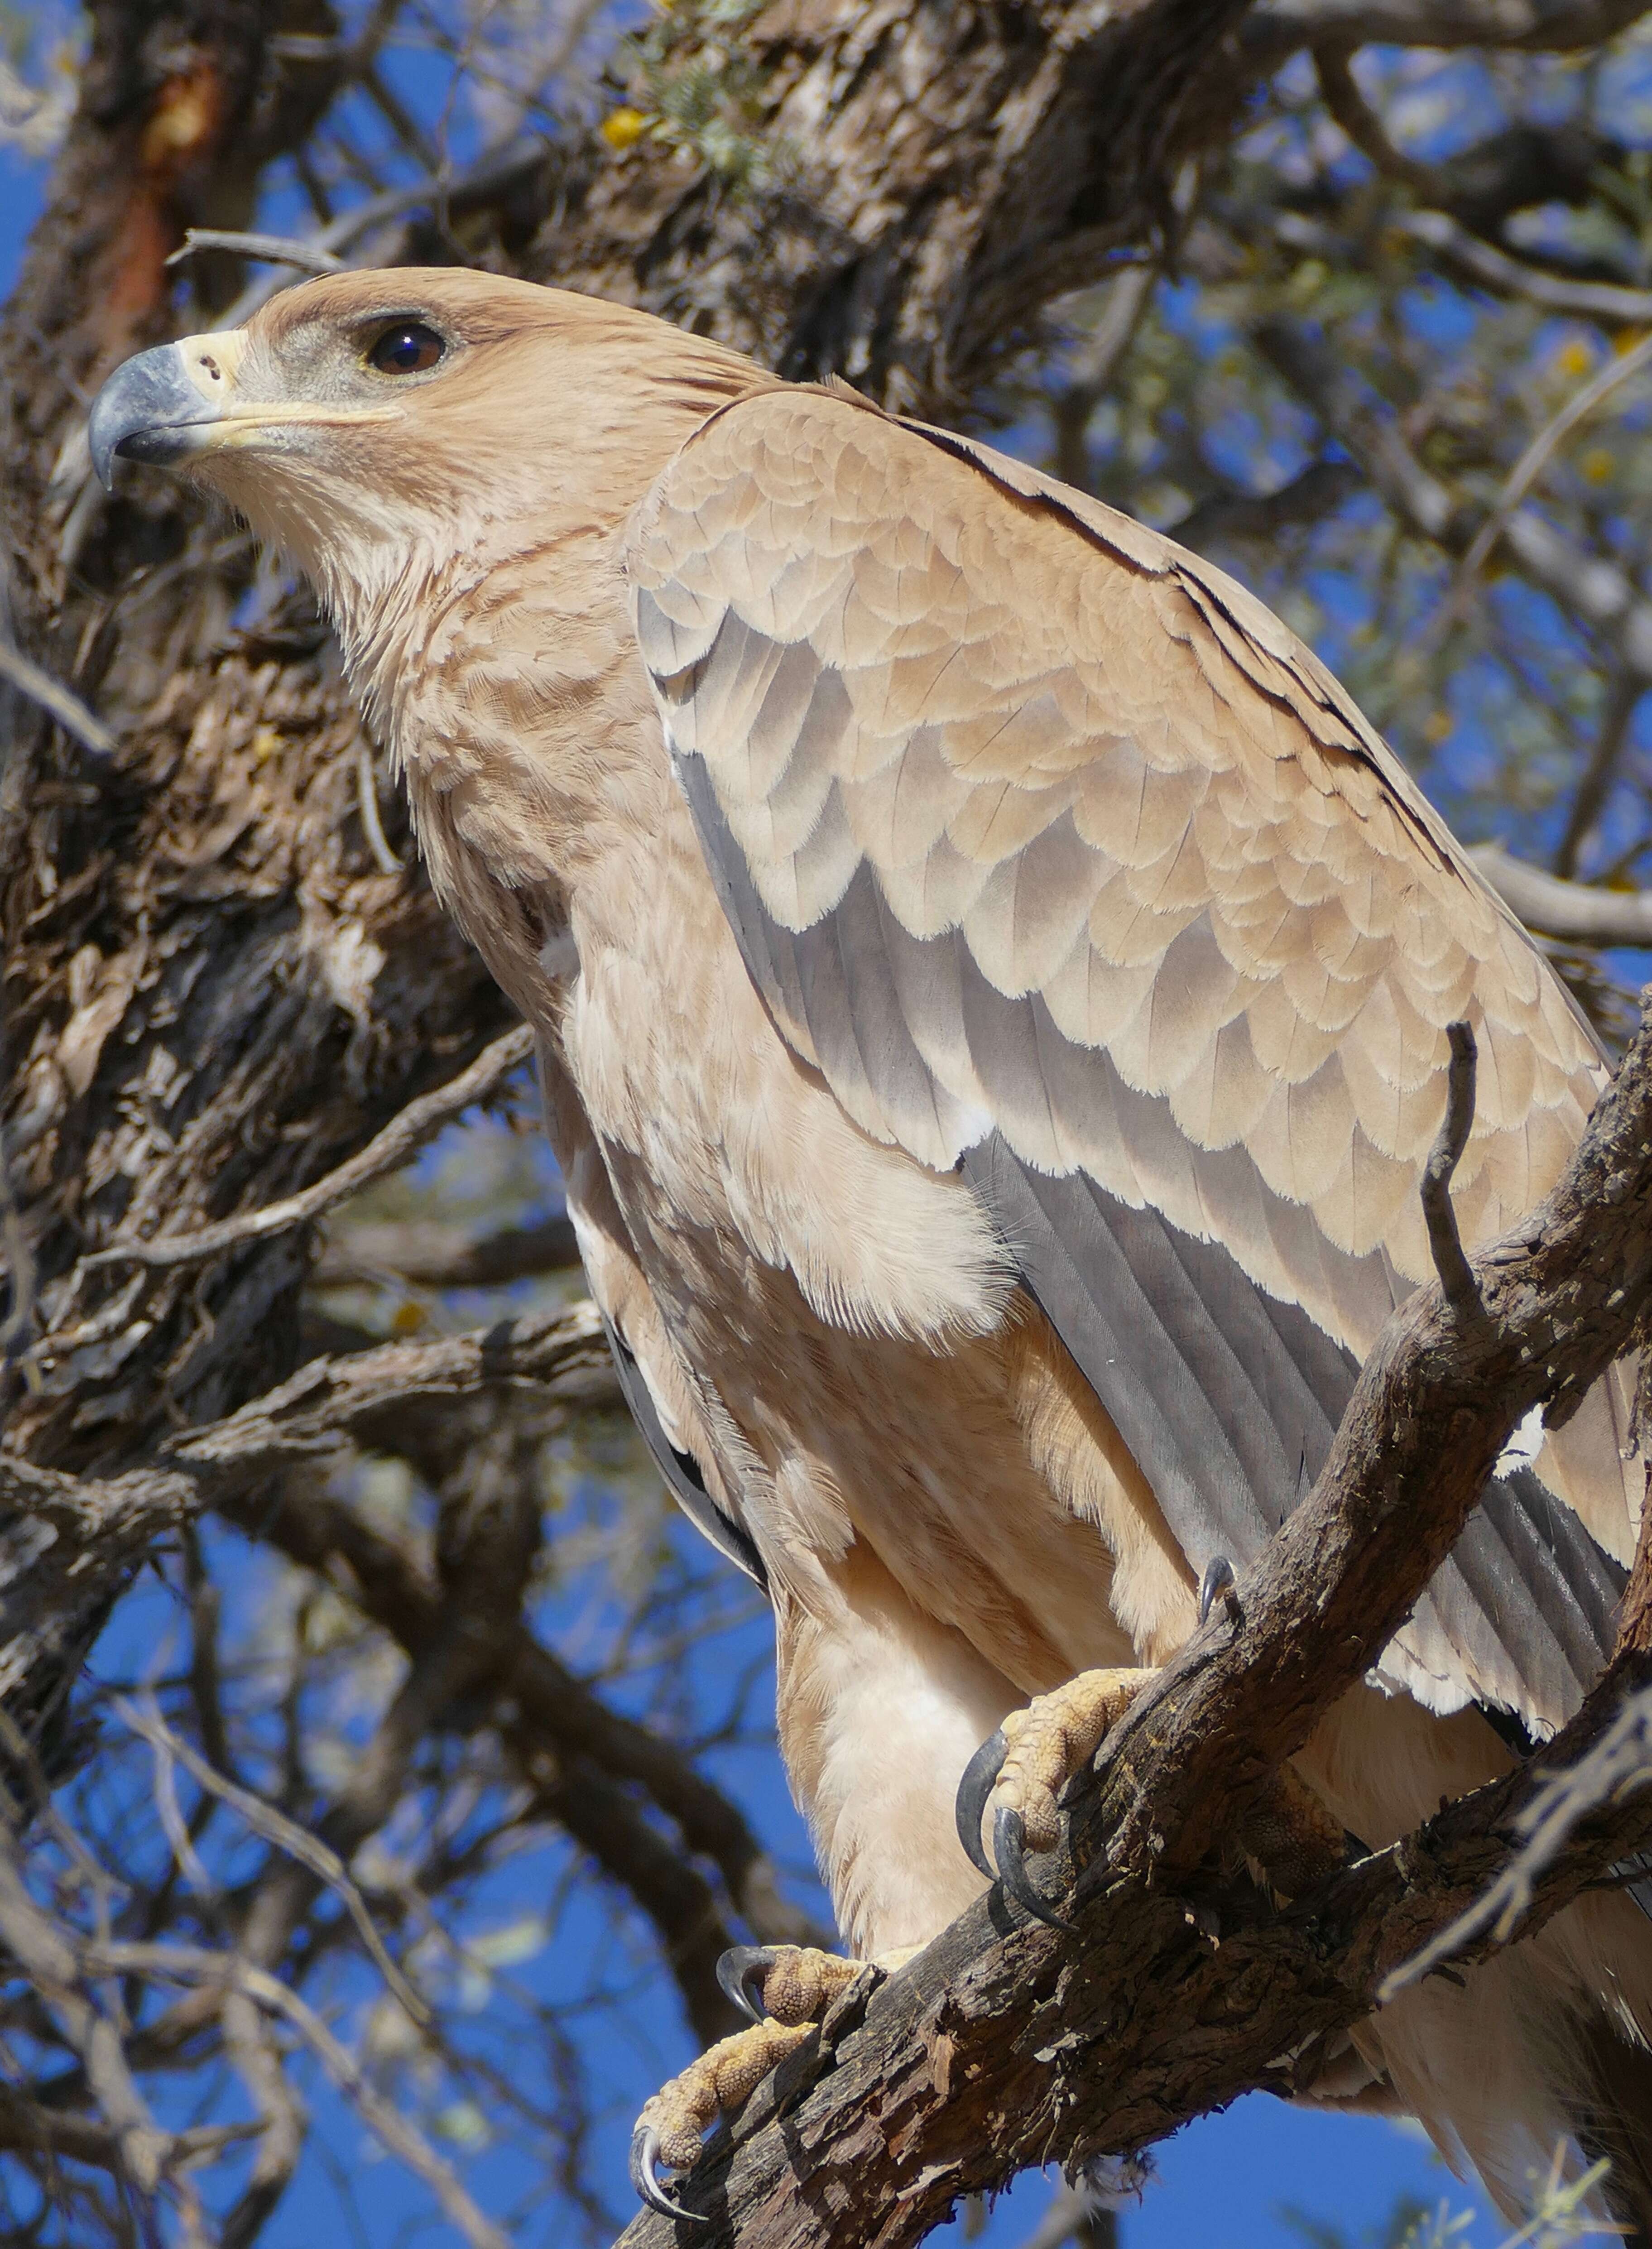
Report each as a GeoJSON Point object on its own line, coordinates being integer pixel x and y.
{"type": "Point", "coordinates": [179, 400]}
{"type": "Point", "coordinates": [165, 404]}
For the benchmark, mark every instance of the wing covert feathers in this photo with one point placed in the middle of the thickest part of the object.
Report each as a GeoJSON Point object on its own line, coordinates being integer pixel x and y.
{"type": "Point", "coordinates": [1033, 825]}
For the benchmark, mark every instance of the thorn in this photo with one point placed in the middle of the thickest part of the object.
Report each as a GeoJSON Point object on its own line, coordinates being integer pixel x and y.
{"type": "Point", "coordinates": [975, 1790]}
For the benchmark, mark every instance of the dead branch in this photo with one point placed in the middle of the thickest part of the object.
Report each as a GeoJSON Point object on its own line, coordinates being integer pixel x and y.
{"type": "Point", "coordinates": [285, 1834]}
{"type": "Point", "coordinates": [387, 1151]}
{"type": "Point", "coordinates": [1573, 911]}
{"type": "Point", "coordinates": [57, 700]}
{"type": "Point", "coordinates": [1618, 1764]}
{"type": "Point", "coordinates": [210, 1971]}
{"type": "Point", "coordinates": [428, 1255]}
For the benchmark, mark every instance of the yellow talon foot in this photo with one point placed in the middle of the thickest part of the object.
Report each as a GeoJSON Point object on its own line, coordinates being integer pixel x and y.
{"type": "Point", "coordinates": [1292, 1837]}
{"type": "Point", "coordinates": [785, 1983]}
{"type": "Point", "coordinates": [1020, 1773]}
{"type": "Point", "coordinates": [1022, 1770]}
{"type": "Point", "coordinates": [672, 2125]}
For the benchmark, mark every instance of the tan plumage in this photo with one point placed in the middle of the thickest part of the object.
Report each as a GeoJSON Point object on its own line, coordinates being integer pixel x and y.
{"type": "Point", "coordinates": [992, 988]}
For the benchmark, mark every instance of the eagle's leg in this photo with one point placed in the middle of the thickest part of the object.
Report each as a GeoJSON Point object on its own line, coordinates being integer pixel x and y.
{"type": "Point", "coordinates": [1020, 1773]}
{"type": "Point", "coordinates": [785, 1989]}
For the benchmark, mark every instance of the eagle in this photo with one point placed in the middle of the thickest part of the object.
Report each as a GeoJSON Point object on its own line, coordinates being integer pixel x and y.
{"type": "Point", "coordinates": [992, 991]}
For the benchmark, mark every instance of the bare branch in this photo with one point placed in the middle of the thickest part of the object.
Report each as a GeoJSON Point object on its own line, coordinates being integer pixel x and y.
{"type": "Point", "coordinates": [1457, 1276]}
{"type": "Point", "coordinates": [432, 1255]}
{"type": "Point", "coordinates": [366, 798]}
{"type": "Point", "coordinates": [274, 249]}
{"type": "Point", "coordinates": [1277, 29]}
{"type": "Point", "coordinates": [57, 700]}
{"type": "Point", "coordinates": [286, 1835]}
{"type": "Point", "coordinates": [1530, 467]}
{"type": "Point", "coordinates": [387, 1152]}
{"type": "Point", "coordinates": [1617, 1765]}
{"type": "Point", "coordinates": [280, 2115]}
{"type": "Point", "coordinates": [189, 1964]}
{"type": "Point", "coordinates": [1506, 275]}
{"type": "Point", "coordinates": [1573, 911]}
{"type": "Point", "coordinates": [51, 1959]}
{"type": "Point", "coordinates": [1586, 586]}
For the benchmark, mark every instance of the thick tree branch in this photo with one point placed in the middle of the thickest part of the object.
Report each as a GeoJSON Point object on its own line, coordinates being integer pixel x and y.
{"type": "Point", "coordinates": [1277, 29]}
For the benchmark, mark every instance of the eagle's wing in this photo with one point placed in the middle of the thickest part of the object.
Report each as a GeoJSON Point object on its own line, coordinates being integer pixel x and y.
{"type": "Point", "coordinates": [1060, 856]}
{"type": "Point", "coordinates": [674, 1422]}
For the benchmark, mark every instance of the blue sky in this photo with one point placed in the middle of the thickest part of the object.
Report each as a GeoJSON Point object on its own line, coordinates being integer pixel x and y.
{"type": "Point", "coordinates": [1226, 2182]}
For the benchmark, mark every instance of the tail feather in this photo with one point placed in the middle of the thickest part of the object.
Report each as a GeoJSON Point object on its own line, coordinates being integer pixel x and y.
{"type": "Point", "coordinates": [1614, 2119]}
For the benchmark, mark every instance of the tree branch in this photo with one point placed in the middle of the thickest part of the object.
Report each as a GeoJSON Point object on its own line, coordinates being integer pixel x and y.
{"type": "Point", "coordinates": [1572, 911]}
{"type": "Point", "coordinates": [387, 1151]}
{"type": "Point", "coordinates": [1275, 31]}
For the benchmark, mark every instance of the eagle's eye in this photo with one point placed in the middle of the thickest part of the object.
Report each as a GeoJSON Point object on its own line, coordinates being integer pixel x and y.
{"type": "Point", "coordinates": [406, 348]}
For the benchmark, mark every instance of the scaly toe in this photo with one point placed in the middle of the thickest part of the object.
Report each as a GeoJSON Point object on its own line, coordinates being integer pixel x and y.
{"type": "Point", "coordinates": [1020, 1773]}
{"type": "Point", "coordinates": [788, 1984]}
{"type": "Point", "coordinates": [669, 2130]}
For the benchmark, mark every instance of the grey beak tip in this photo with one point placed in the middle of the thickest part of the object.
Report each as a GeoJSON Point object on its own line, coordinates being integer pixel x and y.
{"type": "Point", "coordinates": [146, 398]}
{"type": "Point", "coordinates": [102, 440]}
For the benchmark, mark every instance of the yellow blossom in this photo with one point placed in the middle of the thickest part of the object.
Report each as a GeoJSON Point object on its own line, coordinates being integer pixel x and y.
{"type": "Point", "coordinates": [1596, 465]}
{"type": "Point", "coordinates": [623, 127]}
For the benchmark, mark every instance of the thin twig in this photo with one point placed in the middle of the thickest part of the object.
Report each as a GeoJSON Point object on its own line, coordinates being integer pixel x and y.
{"type": "Point", "coordinates": [366, 798]}
{"type": "Point", "coordinates": [192, 1965]}
{"type": "Point", "coordinates": [1511, 277]}
{"type": "Point", "coordinates": [1526, 471]}
{"type": "Point", "coordinates": [1457, 1278]}
{"type": "Point", "coordinates": [387, 1152]}
{"type": "Point", "coordinates": [275, 1827]}
{"type": "Point", "coordinates": [496, 169]}
{"type": "Point", "coordinates": [1347, 104]}
{"type": "Point", "coordinates": [269, 249]}
{"type": "Point", "coordinates": [59, 702]}
{"type": "Point", "coordinates": [1618, 1763]}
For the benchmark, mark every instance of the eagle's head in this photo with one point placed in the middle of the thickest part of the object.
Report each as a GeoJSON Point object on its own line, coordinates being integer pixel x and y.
{"type": "Point", "coordinates": [378, 426]}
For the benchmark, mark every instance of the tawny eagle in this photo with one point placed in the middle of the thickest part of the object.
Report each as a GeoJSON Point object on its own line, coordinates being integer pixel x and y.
{"type": "Point", "coordinates": [992, 989]}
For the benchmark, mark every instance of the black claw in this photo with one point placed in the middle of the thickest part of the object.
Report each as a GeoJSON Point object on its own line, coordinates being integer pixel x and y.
{"type": "Point", "coordinates": [645, 2179]}
{"type": "Point", "coordinates": [980, 1778]}
{"type": "Point", "coordinates": [1217, 1584]}
{"type": "Point", "coordinates": [1008, 1837]}
{"type": "Point", "coordinates": [740, 1973]}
